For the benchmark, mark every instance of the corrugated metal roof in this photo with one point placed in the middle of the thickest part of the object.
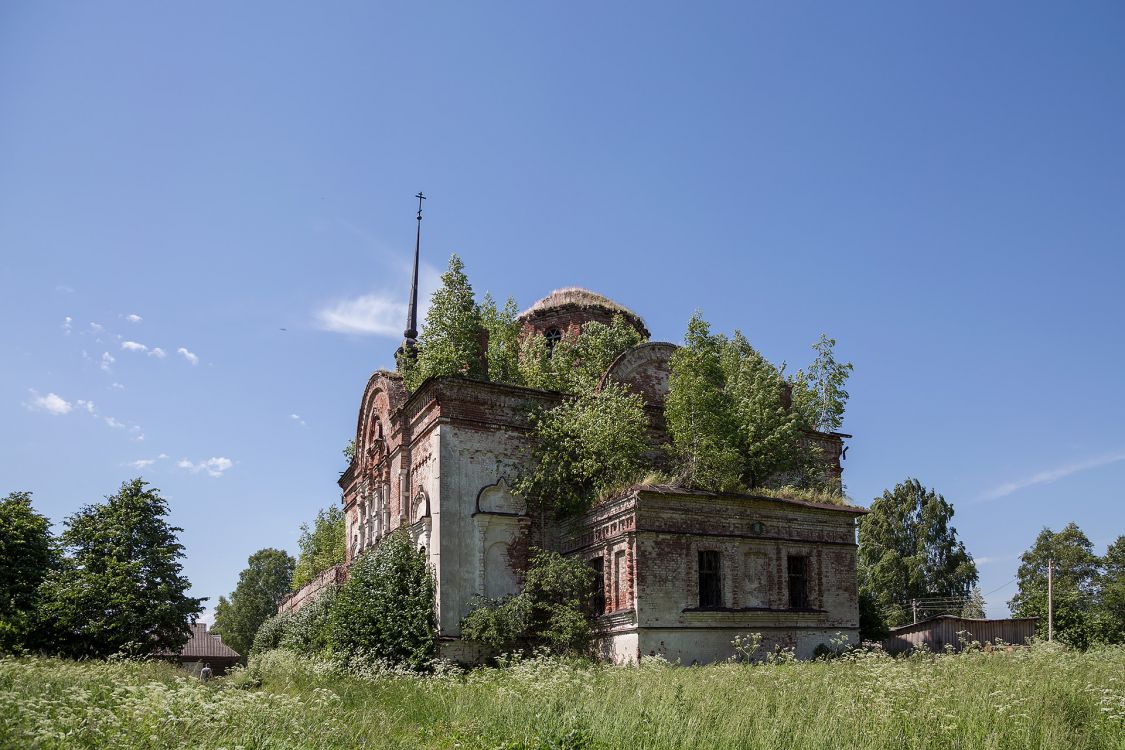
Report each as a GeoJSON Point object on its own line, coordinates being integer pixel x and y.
{"type": "Point", "coordinates": [203, 645]}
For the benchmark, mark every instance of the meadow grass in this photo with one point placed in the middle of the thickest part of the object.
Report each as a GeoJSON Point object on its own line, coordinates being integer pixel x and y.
{"type": "Point", "coordinates": [1039, 698]}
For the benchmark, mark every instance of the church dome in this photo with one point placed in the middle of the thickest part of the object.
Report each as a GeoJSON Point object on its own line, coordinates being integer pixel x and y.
{"type": "Point", "coordinates": [573, 306]}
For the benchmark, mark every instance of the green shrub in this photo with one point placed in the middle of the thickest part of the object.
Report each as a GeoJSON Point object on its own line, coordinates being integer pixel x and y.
{"type": "Point", "coordinates": [322, 546]}
{"type": "Point", "coordinates": [308, 630]}
{"type": "Point", "coordinates": [385, 610]}
{"type": "Point", "coordinates": [270, 633]}
{"type": "Point", "coordinates": [551, 612]}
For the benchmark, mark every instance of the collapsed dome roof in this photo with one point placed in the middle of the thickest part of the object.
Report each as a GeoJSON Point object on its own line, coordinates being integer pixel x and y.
{"type": "Point", "coordinates": [579, 298]}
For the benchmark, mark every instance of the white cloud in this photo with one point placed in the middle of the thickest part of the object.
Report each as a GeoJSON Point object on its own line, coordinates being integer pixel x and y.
{"type": "Point", "coordinates": [370, 314]}
{"type": "Point", "coordinates": [1051, 475]}
{"type": "Point", "coordinates": [52, 403]}
{"type": "Point", "coordinates": [97, 327]}
{"type": "Point", "coordinates": [107, 360]}
{"type": "Point", "coordinates": [133, 346]}
{"type": "Point", "coordinates": [380, 313]}
{"type": "Point", "coordinates": [183, 352]}
{"type": "Point", "coordinates": [133, 318]}
{"type": "Point", "coordinates": [87, 405]}
{"type": "Point", "coordinates": [215, 466]}
{"type": "Point", "coordinates": [297, 418]}
{"type": "Point", "coordinates": [158, 353]}
{"type": "Point", "coordinates": [117, 386]}
{"type": "Point", "coordinates": [114, 423]}
{"type": "Point", "coordinates": [141, 463]}
{"type": "Point", "coordinates": [64, 289]}
{"type": "Point", "coordinates": [66, 326]}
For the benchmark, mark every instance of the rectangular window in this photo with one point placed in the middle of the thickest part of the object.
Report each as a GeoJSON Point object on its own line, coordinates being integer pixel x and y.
{"type": "Point", "coordinates": [710, 580]}
{"type": "Point", "coordinates": [597, 603]}
{"type": "Point", "coordinates": [798, 582]}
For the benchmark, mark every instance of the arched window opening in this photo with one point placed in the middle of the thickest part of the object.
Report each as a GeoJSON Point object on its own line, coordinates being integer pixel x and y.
{"type": "Point", "coordinates": [553, 336]}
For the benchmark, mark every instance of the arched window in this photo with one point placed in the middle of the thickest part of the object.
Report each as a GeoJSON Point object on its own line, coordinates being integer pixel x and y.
{"type": "Point", "coordinates": [553, 336]}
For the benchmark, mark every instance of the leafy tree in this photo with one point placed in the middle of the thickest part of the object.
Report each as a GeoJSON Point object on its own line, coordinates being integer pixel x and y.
{"type": "Point", "coordinates": [1112, 600]}
{"type": "Point", "coordinates": [349, 451]}
{"type": "Point", "coordinates": [261, 585]}
{"type": "Point", "coordinates": [385, 610]}
{"type": "Point", "coordinates": [451, 339]}
{"type": "Point", "coordinates": [908, 550]}
{"type": "Point", "coordinates": [974, 606]}
{"type": "Point", "coordinates": [322, 546]}
{"type": "Point", "coordinates": [586, 445]}
{"type": "Point", "coordinates": [550, 612]}
{"type": "Point", "coordinates": [1075, 585]}
{"type": "Point", "coordinates": [27, 553]}
{"type": "Point", "coordinates": [700, 413]}
{"type": "Point", "coordinates": [120, 589]}
{"type": "Point", "coordinates": [577, 361]}
{"type": "Point", "coordinates": [503, 340]}
{"type": "Point", "coordinates": [770, 438]}
{"type": "Point", "coordinates": [819, 395]}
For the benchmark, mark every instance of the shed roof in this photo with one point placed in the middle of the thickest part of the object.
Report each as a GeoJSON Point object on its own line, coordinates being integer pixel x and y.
{"type": "Point", "coordinates": [204, 645]}
{"type": "Point", "coordinates": [922, 624]}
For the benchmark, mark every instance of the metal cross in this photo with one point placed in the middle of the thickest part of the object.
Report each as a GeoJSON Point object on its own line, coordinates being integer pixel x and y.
{"type": "Point", "coordinates": [420, 198]}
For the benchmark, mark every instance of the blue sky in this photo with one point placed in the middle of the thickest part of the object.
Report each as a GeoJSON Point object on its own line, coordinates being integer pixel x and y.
{"type": "Point", "coordinates": [206, 221]}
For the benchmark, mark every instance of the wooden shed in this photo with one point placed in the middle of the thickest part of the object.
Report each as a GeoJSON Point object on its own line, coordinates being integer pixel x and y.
{"type": "Point", "coordinates": [204, 648]}
{"type": "Point", "coordinates": [937, 632]}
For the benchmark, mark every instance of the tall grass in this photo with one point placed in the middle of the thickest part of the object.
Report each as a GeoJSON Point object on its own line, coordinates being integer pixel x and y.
{"type": "Point", "coordinates": [1042, 698]}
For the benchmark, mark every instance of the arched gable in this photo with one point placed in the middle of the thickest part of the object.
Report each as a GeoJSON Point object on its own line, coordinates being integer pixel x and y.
{"type": "Point", "coordinates": [382, 398]}
{"type": "Point", "coordinates": [645, 369]}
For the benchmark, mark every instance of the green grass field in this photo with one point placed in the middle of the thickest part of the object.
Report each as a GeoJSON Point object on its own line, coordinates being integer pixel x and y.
{"type": "Point", "coordinates": [1043, 698]}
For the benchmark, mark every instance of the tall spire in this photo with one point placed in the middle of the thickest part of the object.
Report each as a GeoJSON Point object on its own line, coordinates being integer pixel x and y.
{"type": "Point", "coordinates": [409, 345]}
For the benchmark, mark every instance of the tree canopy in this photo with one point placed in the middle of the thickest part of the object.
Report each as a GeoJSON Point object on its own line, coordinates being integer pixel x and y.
{"type": "Point", "coordinates": [908, 549]}
{"type": "Point", "coordinates": [261, 585]}
{"type": "Point", "coordinates": [321, 546]}
{"type": "Point", "coordinates": [451, 341]}
{"type": "Point", "coordinates": [27, 554]}
{"type": "Point", "coordinates": [1075, 583]}
{"type": "Point", "coordinates": [120, 588]}
{"type": "Point", "coordinates": [730, 417]}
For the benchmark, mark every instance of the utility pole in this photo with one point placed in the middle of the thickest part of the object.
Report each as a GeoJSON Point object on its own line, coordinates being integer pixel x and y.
{"type": "Point", "coordinates": [1050, 601]}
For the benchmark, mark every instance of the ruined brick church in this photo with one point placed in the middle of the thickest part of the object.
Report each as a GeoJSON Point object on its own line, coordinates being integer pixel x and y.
{"type": "Point", "coordinates": [679, 572]}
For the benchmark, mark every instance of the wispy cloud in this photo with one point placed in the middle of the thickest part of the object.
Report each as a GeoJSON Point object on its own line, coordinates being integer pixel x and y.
{"type": "Point", "coordinates": [64, 289]}
{"type": "Point", "coordinates": [297, 418]}
{"type": "Point", "coordinates": [215, 466]}
{"type": "Point", "coordinates": [157, 352]}
{"type": "Point", "coordinates": [117, 386]}
{"type": "Point", "coordinates": [107, 361]}
{"type": "Point", "coordinates": [133, 318]}
{"type": "Point", "coordinates": [142, 463]}
{"type": "Point", "coordinates": [183, 352]}
{"type": "Point", "coordinates": [52, 403]}
{"type": "Point", "coordinates": [66, 326]}
{"type": "Point", "coordinates": [379, 313]}
{"type": "Point", "coordinates": [1052, 475]}
{"type": "Point", "coordinates": [97, 327]}
{"type": "Point", "coordinates": [133, 346]}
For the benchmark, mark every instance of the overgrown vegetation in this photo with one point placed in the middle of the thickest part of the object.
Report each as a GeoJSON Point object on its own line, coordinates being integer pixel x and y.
{"type": "Point", "coordinates": [550, 613]}
{"type": "Point", "coordinates": [27, 554]}
{"type": "Point", "coordinates": [322, 546]}
{"type": "Point", "coordinates": [578, 360]}
{"type": "Point", "coordinates": [737, 424]}
{"type": "Point", "coordinates": [1043, 698]}
{"type": "Point", "coordinates": [383, 613]}
{"type": "Point", "coordinates": [586, 445]}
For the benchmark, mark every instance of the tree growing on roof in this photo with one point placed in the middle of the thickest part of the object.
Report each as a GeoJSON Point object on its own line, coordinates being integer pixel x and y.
{"type": "Point", "coordinates": [451, 342]}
